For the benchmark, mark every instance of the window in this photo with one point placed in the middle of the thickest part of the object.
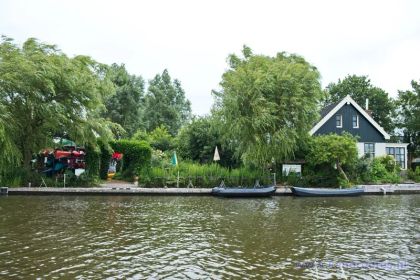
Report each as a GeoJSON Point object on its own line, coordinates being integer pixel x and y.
{"type": "Point", "coordinates": [355, 121]}
{"type": "Point", "coordinates": [370, 149]}
{"type": "Point", "coordinates": [339, 121]}
{"type": "Point", "coordinates": [398, 153]}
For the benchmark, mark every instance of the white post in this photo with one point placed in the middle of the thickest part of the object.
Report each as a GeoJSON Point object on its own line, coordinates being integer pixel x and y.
{"type": "Point", "coordinates": [64, 180]}
{"type": "Point", "coordinates": [177, 180]}
{"type": "Point", "coordinates": [274, 179]}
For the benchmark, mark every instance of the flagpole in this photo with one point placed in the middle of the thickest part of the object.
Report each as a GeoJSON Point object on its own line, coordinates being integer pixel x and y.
{"type": "Point", "coordinates": [177, 180]}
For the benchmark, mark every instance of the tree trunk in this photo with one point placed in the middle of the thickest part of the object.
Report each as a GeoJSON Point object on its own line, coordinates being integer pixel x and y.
{"type": "Point", "coordinates": [341, 171]}
{"type": "Point", "coordinates": [27, 157]}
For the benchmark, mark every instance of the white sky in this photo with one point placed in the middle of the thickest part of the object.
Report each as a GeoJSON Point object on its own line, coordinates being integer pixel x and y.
{"type": "Point", "coordinates": [192, 39]}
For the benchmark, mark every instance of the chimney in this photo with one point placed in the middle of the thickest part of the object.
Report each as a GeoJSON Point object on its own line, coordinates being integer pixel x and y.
{"type": "Point", "coordinates": [367, 107]}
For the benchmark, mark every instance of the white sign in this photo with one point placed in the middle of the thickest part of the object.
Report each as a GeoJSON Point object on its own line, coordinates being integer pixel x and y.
{"type": "Point", "coordinates": [296, 168]}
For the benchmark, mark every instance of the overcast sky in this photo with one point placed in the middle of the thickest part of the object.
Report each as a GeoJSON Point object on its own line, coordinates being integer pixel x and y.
{"type": "Point", "coordinates": [192, 39]}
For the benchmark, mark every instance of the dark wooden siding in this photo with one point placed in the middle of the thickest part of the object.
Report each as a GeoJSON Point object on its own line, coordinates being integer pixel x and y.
{"type": "Point", "coordinates": [366, 131]}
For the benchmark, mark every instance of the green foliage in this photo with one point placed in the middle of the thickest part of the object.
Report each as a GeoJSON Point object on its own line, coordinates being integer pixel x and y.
{"type": "Point", "coordinates": [321, 175]}
{"type": "Point", "coordinates": [160, 139]}
{"type": "Point", "coordinates": [49, 94]}
{"type": "Point", "coordinates": [93, 160]}
{"type": "Point", "coordinates": [105, 158]}
{"type": "Point", "coordinates": [125, 107]}
{"type": "Point", "coordinates": [161, 159]}
{"type": "Point", "coordinates": [333, 150]}
{"type": "Point", "coordinates": [205, 176]}
{"type": "Point", "coordinates": [390, 164]}
{"type": "Point", "coordinates": [360, 88]}
{"type": "Point", "coordinates": [166, 104]}
{"type": "Point", "coordinates": [141, 135]}
{"type": "Point", "coordinates": [136, 156]}
{"type": "Point", "coordinates": [414, 175]}
{"type": "Point", "coordinates": [10, 156]}
{"type": "Point", "coordinates": [381, 170]}
{"type": "Point", "coordinates": [267, 104]}
{"type": "Point", "coordinates": [198, 140]}
{"type": "Point", "coordinates": [409, 117]}
{"type": "Point", "coordinates": [21, 177]}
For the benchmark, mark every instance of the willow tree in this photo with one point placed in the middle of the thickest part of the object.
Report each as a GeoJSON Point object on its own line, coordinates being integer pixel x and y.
{"type": "Point", "coordinates": [48, 94]}
{"type": "Point", "coordinates": [268, 103]}
{"type": "Point", "coordinates": [9, 156]}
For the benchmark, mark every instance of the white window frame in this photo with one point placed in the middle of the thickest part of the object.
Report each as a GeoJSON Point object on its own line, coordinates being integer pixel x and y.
{"type": "Point", "coordinates": [369, 152]}
{"type": "Point", "coordinates": [357, 121]}
{"type": "Point", "coordinates": [341, 121]}
{"type": "Point", "coordinates": [400, 157]}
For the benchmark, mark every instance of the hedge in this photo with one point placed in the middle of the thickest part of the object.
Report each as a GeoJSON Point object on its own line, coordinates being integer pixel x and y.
{"type": "Point", "coordinates": [136, 156]}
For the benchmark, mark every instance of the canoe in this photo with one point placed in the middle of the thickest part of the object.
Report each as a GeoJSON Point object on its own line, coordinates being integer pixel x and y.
{"type": "Point", "coordinates": [244, 192]}
{"type": "Point", "coordinates": [326, 192]}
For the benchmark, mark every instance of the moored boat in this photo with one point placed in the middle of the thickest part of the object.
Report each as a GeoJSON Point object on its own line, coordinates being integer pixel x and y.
{"type": "Point", "coordinates": [326, 192]}
{"type": "Point", "coordinates": [244, 192]}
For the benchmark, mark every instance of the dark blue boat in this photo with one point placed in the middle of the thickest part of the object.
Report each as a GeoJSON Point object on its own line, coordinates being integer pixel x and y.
{"type": "Point", "coordinates": [326, 192]}
{"type": "Point", "coordinates": [243, 192]}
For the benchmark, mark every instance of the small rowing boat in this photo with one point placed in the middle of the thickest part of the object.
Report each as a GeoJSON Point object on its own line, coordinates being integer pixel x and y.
{"type": "Point", "coordinates": [256, 191]}
{"type": "Point", "coordinates": [326, 192]}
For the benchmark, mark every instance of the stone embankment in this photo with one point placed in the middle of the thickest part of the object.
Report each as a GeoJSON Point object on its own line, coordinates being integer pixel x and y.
{"type": "Point", "coordinates": [130, 189]}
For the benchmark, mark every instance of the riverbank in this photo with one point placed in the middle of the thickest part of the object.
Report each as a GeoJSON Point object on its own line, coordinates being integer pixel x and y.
{"type": "Point", "coordinates": [130, 189]}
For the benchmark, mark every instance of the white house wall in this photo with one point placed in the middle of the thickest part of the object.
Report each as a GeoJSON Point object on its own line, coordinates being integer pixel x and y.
{"type": "Point", "coordinates": [380, 149]}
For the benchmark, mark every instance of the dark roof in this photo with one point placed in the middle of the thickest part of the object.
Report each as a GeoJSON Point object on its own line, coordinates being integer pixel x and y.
{"type": "Point", "coordinates": [328, 108]}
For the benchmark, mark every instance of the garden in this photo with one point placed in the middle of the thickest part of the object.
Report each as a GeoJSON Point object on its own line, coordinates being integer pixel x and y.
{"type": "Point", "coordinates": [260, 119]}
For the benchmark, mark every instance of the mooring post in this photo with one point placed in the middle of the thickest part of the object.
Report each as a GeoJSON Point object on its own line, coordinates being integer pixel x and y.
{"type": "Point", "coordinates": [274, 179]}
{"type": "Point", "coordinates": [383, 190]}
{"type": "Point", "coordinates": [4, 190]}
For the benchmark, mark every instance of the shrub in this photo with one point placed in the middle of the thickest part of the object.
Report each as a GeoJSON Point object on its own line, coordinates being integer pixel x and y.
{"type": "Point", "coordinates": [381, 170]}
{"type": "Point", "coordinates": [160, 159]}
{"type": "Point", "coordinates": [390, 163]}
{"type": "Point", "coordinates": [321, 175]}
{"type": "Point", "coordinates": [160, 139]}
{"type": "Point", "coordinates": [414, 175]}
{"type": "Point", "coordinates": [136, 156]}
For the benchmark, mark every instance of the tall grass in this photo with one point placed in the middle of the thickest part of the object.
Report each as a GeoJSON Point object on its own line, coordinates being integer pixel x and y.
{"type": "Point", "coordinates": [203, 176]}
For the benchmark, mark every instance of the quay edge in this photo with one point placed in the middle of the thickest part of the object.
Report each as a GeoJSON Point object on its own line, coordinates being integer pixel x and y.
{"type": "Point", "coordinates": [281, 190]}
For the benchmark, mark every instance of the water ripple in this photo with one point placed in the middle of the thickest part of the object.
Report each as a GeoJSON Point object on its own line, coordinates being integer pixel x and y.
{"type": "Point", "coordinates": [116, 237]}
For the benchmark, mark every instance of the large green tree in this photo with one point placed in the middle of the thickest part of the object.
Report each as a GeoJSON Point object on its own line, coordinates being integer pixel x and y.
{"type": "Point", "coordinates": [198, 140]}
{"type": "Point", "coordinates": [409, 116]}
{"type": "Point", "coordinates": [10, 155]}
{"type": "Point", "coordinates": [360, 88]}
{"type": "Point", "coordinates": [166, 104]}
{"type": "Point", "coordinates": [49, 94]}
{"type": "Point", "coordinates": [125, 107]}
{"type": "Point", "coordinates": [268, 103]}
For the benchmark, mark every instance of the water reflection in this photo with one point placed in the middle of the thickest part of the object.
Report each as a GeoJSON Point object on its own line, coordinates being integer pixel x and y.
{"type": "Point", "coordinates": [369, 237]}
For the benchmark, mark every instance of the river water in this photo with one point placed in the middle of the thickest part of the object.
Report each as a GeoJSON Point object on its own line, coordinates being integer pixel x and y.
{"type": "Point", "coordinates": [119, 237]}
